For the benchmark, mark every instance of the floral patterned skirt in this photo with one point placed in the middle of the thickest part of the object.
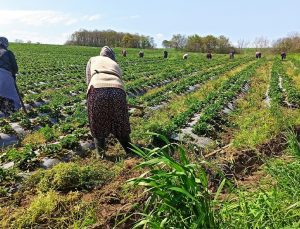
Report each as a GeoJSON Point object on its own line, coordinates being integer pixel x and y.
{"type": "Point", "coordinates": [108, 113]}
{"type": "Point", "coordinates": [7, 106]}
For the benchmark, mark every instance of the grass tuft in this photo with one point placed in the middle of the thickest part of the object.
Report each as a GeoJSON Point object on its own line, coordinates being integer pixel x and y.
{"type": "Point", "coordinates": [53, 209]}
{"type": "Point", "coordinates": [67, 177]}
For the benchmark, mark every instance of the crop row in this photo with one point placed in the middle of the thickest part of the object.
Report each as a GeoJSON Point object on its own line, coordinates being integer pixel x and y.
{"type": "Point", "coordinates": [220, 96]}
{"type": "Point", "coordinates": [275, 92]}
{"type": "Point", "coordinates": [211, 118]}
{"type": "Point", "coordinates": [133, 72]}
{"type": "Point", "coordinates": [170, 74]}
{"type": "Point", "coordinates": [164, 93]}
{"type": "Point", "coordinates": [75, 84]}
{"type": "Point", "coordinates": [282, 89]}
{"type": "Point", "coordinates": [58, 107]}
{"type": "Point", "coordinates": [293, 95]}
{"type": "Point", "coordinates": [38, 80]}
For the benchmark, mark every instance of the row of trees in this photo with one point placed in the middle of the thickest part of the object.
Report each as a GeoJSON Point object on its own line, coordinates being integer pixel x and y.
{"type": "Point", "coordinates": [221, 44]}
{"type": "Point", "coordinates": [196, 43]}
{"type": "Point", "coordinates": [110, 37]}
{"type": "Point", "coordinates": [193, 43]}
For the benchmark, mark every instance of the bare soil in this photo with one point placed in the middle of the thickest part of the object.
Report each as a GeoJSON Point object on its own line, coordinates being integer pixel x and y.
{"type": "Point", "coordinates": [115, 201]}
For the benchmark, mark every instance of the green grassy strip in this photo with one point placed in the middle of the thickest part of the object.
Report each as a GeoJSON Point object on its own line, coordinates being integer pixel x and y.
{"type": "Point", "coordinates": [228, 91]}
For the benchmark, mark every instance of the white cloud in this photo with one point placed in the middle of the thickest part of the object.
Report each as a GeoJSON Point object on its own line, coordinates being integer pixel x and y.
{"type": "Point", "coordinates": [35, 17]}
{"type": "Point", "coordinates": [44, 26]}
{"type": "Point", "coordinates": [41, 18]}
{"type": "Point", "coordinates": [132, 17]}
{"type": "Point", "coordinates": [37, 37]}
{"type": "Point", "coordinates": [92, 18]}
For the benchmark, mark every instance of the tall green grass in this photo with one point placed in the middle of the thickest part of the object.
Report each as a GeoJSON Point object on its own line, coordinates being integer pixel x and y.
{"type": "Point", "coordinates": [178, 190]}
{"type": "Point", "coordinates": [276, 204]}
{"type": "Point", "coordinates": [292, 142]}
{"type": "Point", "coordinates": [179, 195]}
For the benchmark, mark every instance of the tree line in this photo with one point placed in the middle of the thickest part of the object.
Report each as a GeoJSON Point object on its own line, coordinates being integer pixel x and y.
{"type": "Point", "coordinates": [196, 43]}
{"type": "Point", "coordinates": [111, 38]}
{"type": "Point", "coordinates": [192, 43]}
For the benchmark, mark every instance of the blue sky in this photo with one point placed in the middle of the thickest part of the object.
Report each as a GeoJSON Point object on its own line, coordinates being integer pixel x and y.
{"type": "Point", "coordinates": [53, 21]}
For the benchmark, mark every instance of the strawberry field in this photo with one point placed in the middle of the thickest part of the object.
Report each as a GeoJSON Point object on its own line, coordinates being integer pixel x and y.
{"type": "Point", "coordinates": [239, 115]}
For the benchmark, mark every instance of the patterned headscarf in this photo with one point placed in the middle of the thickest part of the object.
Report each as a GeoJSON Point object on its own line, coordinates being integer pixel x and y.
{"type": "Point", "coordinates": [108, 52]}
{"type": "Point", "coordinates": [4, 42]}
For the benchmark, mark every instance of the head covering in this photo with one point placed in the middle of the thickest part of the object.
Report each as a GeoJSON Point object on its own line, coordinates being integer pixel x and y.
{"type": "Point", "coordinates": [108, 52]}
{"type": "Point", "coordinates": [3, 42]}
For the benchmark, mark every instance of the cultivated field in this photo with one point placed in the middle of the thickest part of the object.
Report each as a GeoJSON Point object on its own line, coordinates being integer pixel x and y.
{"type": "Point", "coordinates": [241, 115]}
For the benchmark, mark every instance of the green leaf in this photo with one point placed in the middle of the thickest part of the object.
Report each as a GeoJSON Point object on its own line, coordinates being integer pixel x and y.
{"type": "Point", "coordinates": [181, 190]}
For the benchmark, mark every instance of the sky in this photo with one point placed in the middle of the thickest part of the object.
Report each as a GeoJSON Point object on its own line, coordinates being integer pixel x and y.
{"type": "Point", "coordinates": [54, 21]}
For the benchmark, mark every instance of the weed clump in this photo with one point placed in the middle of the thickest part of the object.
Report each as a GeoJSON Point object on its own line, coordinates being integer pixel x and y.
{"type": "Point", "coordinates": [58, 210]}
{"type": "Point", "coordinates": [67, 177]}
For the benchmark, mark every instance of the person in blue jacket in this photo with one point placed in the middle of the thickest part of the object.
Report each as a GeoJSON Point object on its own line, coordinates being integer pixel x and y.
{"type": "Point", "coordinates": [9, 98]}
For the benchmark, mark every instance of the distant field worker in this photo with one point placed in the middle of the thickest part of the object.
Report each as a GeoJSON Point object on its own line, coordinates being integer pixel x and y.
{"type": "Point", "coordinates": [9, 98]}
{"type": "Point", "coordinates": [283, 55]}
{"type": "Point", "coordinates": [185, 56]}
{"type": "Point", "coordinates": [106, 101]}
{"type": "Point", "coordinates": [165, 54]}
{"type": "Point", "coordinates": [141, 54]}
{"type": "Point", "coordinates": [231, 54]}
{"type": "Point", "coordinates": [258, 55]}
{"type": "Point", "coordinates": [124, 53]}
{"type": "Point", "coordinates": [209, 56]}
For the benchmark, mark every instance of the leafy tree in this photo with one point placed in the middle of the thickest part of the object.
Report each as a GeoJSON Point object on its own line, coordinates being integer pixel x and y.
{"type": "Point", "coordinates": [195, 43]}
{"type": "Point", "coordinates": [209, 43]}
{"type": "Point", "coordinates": [178, 41]}
{"type": "Point", "coordinates": [167, 44]}
{"type": "Point", "coordinates": [288, 44]}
